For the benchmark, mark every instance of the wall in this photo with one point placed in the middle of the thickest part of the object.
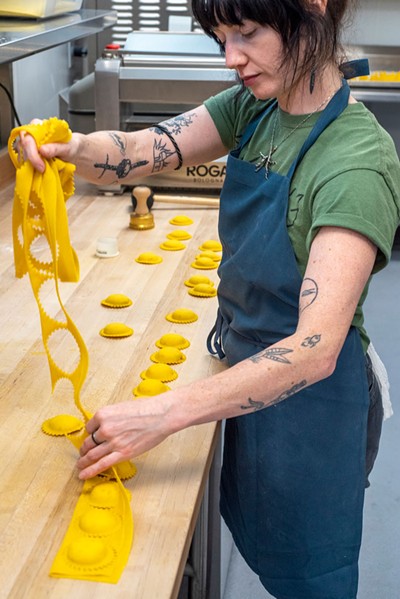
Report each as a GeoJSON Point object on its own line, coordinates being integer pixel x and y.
{"type": "Point", "coordinates": [376, 22]}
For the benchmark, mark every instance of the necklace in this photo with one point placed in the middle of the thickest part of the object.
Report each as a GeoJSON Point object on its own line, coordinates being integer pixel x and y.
{"type": "Point", "coordinates": [266, 160]}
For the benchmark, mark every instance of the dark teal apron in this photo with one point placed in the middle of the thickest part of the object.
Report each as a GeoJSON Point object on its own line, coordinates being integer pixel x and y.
{"type": "Point", "coordinates": [293, 476]}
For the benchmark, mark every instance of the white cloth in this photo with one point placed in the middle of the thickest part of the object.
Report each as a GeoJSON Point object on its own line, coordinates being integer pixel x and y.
{"type": "Point", "coordinates": [383, 381]}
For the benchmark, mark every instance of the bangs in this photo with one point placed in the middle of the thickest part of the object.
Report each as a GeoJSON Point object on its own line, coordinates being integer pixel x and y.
{"type": "Point", "coordinates": [210, 13]}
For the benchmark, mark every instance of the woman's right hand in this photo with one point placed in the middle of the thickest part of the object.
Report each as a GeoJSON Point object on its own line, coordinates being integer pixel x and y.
{"type": "Point", "coordinates": [65, 151]}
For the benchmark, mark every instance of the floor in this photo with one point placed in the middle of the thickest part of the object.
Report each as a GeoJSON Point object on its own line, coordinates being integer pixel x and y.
{"type": "Point", "coordinates": [380, 554]}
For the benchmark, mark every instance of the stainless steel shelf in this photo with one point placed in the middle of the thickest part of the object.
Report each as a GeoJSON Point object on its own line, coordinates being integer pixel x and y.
{"type": "Point", "coordinates": [381, 58]}
{"type": "Point", "coordinates": [20, 38]}
{"type": "Point", "coordinates": [376, 95]}
{"type": "Point", "coordinates": [23, 37]}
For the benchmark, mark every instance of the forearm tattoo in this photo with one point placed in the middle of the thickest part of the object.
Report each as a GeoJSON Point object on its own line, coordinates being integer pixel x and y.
{"type": "Point", "coordinates": [277, 354]}
{"type": "Point", "coordinates": [119, 141]}
{"type": "Point", "coordinates": [289, 392]}
{"type": "Point", "coordinates": [163, 130]}
{"type": "Point", "coordinates": [171, 129]}
{"type": "Point", "coordinates": [311, 341]}
{"type": "Point", "coordinates": [259, 405]}
{"type": "Point", "coordinates": [253, 405]}
{"type": "Point", "coordinates": [161, 155]}
{"type": "Point", "coordinates": [122, 169]}
{"type": "Point", "coordinates": [308, 293]}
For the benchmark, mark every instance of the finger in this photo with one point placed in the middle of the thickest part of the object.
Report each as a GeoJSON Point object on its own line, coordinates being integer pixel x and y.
{"type": "Point", "coordinates": [53, 149]}
{"type": "Point", "coordinates": [92, 455]}
{"type": "Point", "coordinates": [95, 438]}
{"type": "Point", "coordinates": [92, 441]}
{"type": "Point", "coordinates": [31, 152]}
{"type": "Point", "coordinates": [92, 425]}
{"type": "Point", "coordinates": [102, 464]}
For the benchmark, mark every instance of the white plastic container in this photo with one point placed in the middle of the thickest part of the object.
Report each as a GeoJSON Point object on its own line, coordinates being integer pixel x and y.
{"type": "Point", "coordinates": [107, 247]}
{"type": "Point", "coordinates": [37, 9]}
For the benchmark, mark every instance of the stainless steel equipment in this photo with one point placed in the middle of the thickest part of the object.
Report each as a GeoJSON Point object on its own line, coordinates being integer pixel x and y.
{"type": "Point", "coordinates": [381, 58]}
{"type": "Point", "coordinates": [382, 96]}
{"type": "Point", "coordinates": [156, 76]}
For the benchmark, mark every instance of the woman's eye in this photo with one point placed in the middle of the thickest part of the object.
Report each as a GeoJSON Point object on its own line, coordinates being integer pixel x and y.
{"type": "Point", "coordinates": [248, 34]}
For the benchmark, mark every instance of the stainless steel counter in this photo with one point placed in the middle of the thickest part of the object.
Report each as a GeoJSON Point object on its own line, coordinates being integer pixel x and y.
{"type": "Point", "coordinates": [20, 38]}
{"type": "Point", "coordinates": [23, 37]}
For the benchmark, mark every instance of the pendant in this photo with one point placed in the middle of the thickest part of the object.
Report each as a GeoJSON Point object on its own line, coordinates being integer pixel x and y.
{"type": "Point", "coordinates": [266, 161]}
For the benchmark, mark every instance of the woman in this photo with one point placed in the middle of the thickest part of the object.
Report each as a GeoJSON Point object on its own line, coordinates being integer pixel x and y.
{"type": "Point", "coordinates": [308, 212]}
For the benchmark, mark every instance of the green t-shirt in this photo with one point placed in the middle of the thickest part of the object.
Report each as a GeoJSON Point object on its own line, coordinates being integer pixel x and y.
{"type": "Point", "coordinates": [349, 178]}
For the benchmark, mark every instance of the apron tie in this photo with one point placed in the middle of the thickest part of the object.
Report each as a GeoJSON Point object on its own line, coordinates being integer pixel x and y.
{"type": "Point", "coordinates": [214, 343]}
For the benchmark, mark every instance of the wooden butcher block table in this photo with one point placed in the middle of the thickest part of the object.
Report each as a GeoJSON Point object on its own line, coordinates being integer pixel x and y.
{"type": "Point", "coordinates": [39, 487]}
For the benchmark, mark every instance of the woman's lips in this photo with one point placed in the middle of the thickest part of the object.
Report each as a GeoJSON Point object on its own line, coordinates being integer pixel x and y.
{"type": "Point", "coordinates": [248, 81]}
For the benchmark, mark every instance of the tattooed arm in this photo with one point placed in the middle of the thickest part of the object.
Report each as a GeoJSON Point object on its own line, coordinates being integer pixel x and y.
{"type": "Point", "coordinates": [338, 269]}
{"type": "Point", "coordinates": [334, 280]}
{"type": "Point", "coordinates": [113, 156]}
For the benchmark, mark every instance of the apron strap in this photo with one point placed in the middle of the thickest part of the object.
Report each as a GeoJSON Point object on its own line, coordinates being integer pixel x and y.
{"type": "Point", "coordinates": [355, 68]}
{"type": "Point", "coordinates": [251, 127]}
{"type": "Point", "coordinates": [328, 115]}
{"type": "Point", "coordinates": [214, 344]}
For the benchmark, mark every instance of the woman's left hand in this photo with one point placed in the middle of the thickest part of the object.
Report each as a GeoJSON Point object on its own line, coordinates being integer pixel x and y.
{"type": "Point", "coordinates": [122, 431]}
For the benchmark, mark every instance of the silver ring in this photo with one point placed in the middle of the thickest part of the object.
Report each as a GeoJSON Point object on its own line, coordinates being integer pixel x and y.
{"type": "Point", "coordinates": [95, 441]}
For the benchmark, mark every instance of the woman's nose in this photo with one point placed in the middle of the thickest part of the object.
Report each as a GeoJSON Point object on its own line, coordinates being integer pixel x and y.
{"type": "Point", "coordinates": [234, 57]}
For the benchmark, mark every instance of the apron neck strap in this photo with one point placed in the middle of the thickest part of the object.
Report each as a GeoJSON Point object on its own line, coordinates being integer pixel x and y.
{"type": "Point", "coordinates": [334, 109]}
{"type": "Point", "coordinates": [248, 132]}
{"type": "Point", "coordinates": [350, 69]}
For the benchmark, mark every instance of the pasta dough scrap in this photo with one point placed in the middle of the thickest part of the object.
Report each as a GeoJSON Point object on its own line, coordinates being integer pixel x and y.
{"type": "Point", "coordinates": [97, 543]}
{"type": "Point", "coordinates": [39, 212]}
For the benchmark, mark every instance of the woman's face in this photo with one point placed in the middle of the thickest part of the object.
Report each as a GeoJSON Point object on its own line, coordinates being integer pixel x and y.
{"type": "Point", "coordinates": [255, 51]}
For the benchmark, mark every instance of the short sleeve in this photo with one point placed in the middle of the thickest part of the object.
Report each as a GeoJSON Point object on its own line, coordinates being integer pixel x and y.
{"type": "Point", "coordinates": [361, 200]}
{"type": "Point", "coordinates": [222, 110]}
{"type": "Point", "coordinates": [232, 110]}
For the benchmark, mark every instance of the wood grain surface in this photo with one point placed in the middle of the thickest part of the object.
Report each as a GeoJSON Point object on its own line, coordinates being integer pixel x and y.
{"type": "Point", "coordinates": [39, 487]}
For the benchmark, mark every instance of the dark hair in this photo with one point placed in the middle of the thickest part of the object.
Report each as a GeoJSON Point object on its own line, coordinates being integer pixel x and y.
{"type": "Point", "coordinates": [293, 20]}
